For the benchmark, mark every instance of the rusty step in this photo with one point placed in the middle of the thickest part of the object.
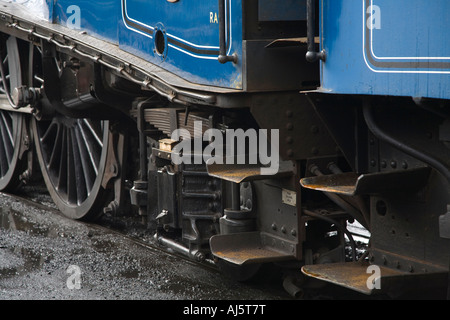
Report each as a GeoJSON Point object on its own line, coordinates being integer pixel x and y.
{"type": "Point", "coordinates": [252, 247]}
{"type": "Point", "coordinates": [238, 173]}
{"type": "Point", "coordinates": [351, 184]}
{"type": "Point", "coordinates": [373, 279]}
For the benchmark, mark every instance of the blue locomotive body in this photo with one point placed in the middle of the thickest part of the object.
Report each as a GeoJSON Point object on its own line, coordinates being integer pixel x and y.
{"type": "Point", "coordinates": [184, 37]}
{"type": "Point", "coordinates": [180, 36]}
{"type": "Point", "coordinates": [381, 47]}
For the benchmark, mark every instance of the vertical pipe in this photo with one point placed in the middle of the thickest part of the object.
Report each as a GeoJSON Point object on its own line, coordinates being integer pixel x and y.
{"type": "Point", "coordinates": [312, 55]}
{"type": "Point", "coordinates": [311, 23]}
{"type": "Point", "coordinates": [223, 57]}
{"type": "Point", "coordinates": [142, 142]}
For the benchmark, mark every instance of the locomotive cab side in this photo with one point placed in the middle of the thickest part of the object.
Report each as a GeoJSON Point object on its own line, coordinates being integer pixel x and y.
{"type": "Point", "coordinates": [384, 97]}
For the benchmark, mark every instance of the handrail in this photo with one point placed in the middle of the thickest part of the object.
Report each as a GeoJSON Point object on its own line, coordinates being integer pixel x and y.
{"type": "Point", "coordinates": [223, 57]}
{"type": "Point", "coordinates": [312, 55]}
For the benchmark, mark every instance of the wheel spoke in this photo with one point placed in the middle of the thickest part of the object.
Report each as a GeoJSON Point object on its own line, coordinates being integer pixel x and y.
{"type": "Point", "coordinates": [55, 156]}
{"type": "Point", "coordinates": [49, 133]}
{"type": "Point", "coordinates": [71, 173]}
{"type": "Point", "coordinates": [8, 145]}
{"type": "Point", "coordinates": [62, 172]}
{"type": "Point", "coordinates": [4, 164]}
{"type": "Point", "coordinates": [89, 168]}
{"type": "Point", "coordinates": [92, 152]}
{"type": "Point", "coordinates": [96, 133]}
{"type": "Point", "coordinates": [82, 172]}
{"type": "Point", "coordinates": [7, 120]}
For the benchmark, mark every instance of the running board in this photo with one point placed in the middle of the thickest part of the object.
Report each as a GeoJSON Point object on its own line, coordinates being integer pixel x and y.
{"type": "Point", "coordinates": [373, 279]}
{"type": "Point", "coordinates": [351, 184]}
{"type": "Point", "coordinates": [252, 247]}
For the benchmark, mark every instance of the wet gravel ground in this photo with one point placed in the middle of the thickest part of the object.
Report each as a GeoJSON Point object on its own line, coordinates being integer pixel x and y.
{"type": "Point", "coordinates": [45, 256]}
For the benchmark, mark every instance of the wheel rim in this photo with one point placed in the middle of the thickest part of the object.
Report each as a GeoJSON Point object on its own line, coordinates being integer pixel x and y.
{"type": "Point", "coordinates": [11, 123]}
{"type": "Point", "coordinates": [72, 154]}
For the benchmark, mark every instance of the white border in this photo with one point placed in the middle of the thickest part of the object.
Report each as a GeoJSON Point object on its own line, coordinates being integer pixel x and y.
{"type": "Point", "coordinates": [177, 38]}
{"type": "Point", "coordinates": [399, 58]}
{"type": "Point", "coordinates": [135, 21]}
{"type": "Point", "coordinates": [383, 70]}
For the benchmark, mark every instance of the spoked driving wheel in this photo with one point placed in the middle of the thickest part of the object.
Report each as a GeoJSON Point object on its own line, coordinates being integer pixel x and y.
{"type": "Point", "coordinates": [12, 124]}
{"type": "Point", "coordinates": [72, 154]}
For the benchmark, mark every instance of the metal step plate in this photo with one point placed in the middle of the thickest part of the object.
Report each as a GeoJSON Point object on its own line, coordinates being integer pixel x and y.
{"type": "Point", "coordinates": [371, 279]}
{"type": "Point", "coordinates": [249, 247]}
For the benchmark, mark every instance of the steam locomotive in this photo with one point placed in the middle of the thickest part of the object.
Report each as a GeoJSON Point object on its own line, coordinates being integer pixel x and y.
{"type": "Point", "coordinates": [244, 133]}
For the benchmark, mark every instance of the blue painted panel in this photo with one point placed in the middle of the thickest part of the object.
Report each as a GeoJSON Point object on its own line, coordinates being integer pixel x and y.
{"type": "Point", "coordinates": [190, 29]}
{"type": "Point", "coordinates": [99, 18]}
{"type": "Point", "coordinates": [386, 47]}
